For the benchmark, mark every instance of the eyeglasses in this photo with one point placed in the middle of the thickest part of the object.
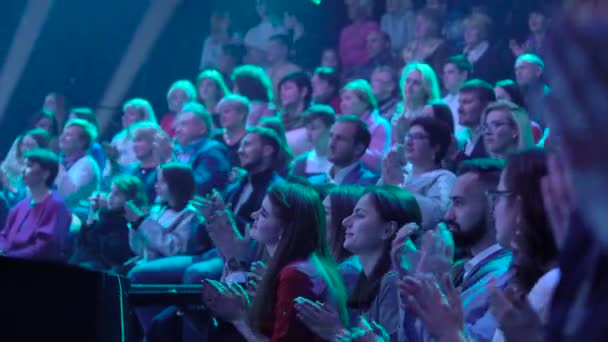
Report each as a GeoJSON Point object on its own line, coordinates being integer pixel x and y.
{"type": "Point", "coordinates": [493, 126]}
{"type": "Point", "coordinates": [496, 194]}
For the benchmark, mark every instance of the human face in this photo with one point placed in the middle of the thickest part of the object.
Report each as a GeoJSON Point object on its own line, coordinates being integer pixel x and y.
{"type": "Point", "coordinates": [116, 198]}
{"type": "Point", "coordinates": [320, 88]}
{"type": "Point", "coordinates": [466, 217]}
{"type": "Point", "coordinates": [526, 72]}
{"type": "Point", "coordinates": [472, 35]}
{"type": "Point", "coordinates": [28, 143]}
{"type": "Point", "coordinates": [45, 124]}
{"type": "Point", "coordinates": [50, 103]}
{"type": "Point", "coordinates": [176, 100]}
{"type": "Point", "coordinates": [251, 151]}
{"type": "Point", "coordinates": [130, 116]}
{"type": "Point", "coordinates": [499, 133]}
{"type": "Point", "coordinates": [366, 231]}
{"type": "Point", "coordinates": [470, 109]}
{"type": "Point", "coordinates": [260, 7]}
{"type": "Point", "coordinates": [382, 84]}
{"type": "Point", "coordinates": [71, 139]}
{"type": "Point", "coordinates": [290, 94]}
{"type": "Point", "coordinates": [207, 90]}
{"type": "Point", "coordinates": [188, 128]}
{"type": "Point", "coordinates": [162, 188]}
{"type": "Point", "coordinates": [32, 174]}
{"type": "Point", "coordinates": [453, 78]}
{"type": "Point", "coordinates": [317, 132]}
{"type": "Point", "coordinates": [501, 94]}
{"type": "Point", "coordinates": [231, 116]}
{"type": "Point", "coordinates": [375, 44]}
{"type": "Point", "coordinates": [267, 226]}
{"type": "Point", "coordinates": [413, 90]}
{"type": "Point", "coordinates": [537, 22]}
{"type": "Point", "coordinates": [350, 103]}
{"type": "Point", "coordinates": [418, 149]}
{"type": "Point", "coordinates": [143, 146]}
{"type": "Point", "coordinates": [329, 58]}
{"type": "Point", "coordinates": [343, 150]}
{"type": "Point", "coordinates": [505, 214]}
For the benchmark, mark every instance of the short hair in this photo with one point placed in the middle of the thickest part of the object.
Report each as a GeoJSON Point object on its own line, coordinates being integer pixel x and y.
{"type": "Point", "coordinates": [241, 102]}
{"type": "Point", "coordinates": [461, 62]}
{"type": "Point", "coordinates": [151, 129]}
{"type": "Point", "coordinates": [200, 111]}
{"type": "Point", "coordinates": [518, 117]}
{"type": "Point", "coordinates": [531, 58]}
{"type": "Point", "coordinates": [487, 170]}
{"type": "Point", "coordinates": [388, 69]}
{"type": "Point", "coordinates": [253, 83]}
{"type": "Point", "coordinates": [429, 79]}
{"type": "Point", "coordinates": [180, 181]}
{"type": "Point", "coordinates": [268, 137]}
{"type": "Point", "coordinates": [443, 113]}
{"type": "Point", "coordinates": [439, 134]}
{"type": "Point", "coordinates": [85, 113]}
{"type": "Point", "coordinates": [329, 75]}
{"type": "Point", "coordinates": [480, 21]}
{"type": "Point", "coordinates": [217, 79]}
{"type": "Point", "coordinates": [362, 134]}
{"type": "Point", "coordinates": [482, 89]}
{"type": "Point", "coordinates": [363, 90]}
{"type": "Point", "coordinates": [143, 107]}
{"type": "Point", "coordinates": [324, 113]}
{"type": "Point", "coordinates": [133, 187]}
{"type": "Point", "coordinates": [186, 86]}
{"type": "Point", "coordinates": [89, 131]}
{"type": "Point", "coordinates": [48, 161]}
{"type": "Point", "coordinates": [514, 92]}
{"type": "Point", "coordinates": [301, 80]}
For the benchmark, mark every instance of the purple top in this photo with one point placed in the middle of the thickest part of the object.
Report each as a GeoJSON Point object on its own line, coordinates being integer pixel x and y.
{"type": "Point", "coordinates": [37, 231]}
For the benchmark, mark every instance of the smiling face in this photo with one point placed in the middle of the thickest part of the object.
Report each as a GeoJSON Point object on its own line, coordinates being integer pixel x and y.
{"type": "Point", "coordinates": [366, 231]}
{"type": "Point", "coordinates": [267, 227]}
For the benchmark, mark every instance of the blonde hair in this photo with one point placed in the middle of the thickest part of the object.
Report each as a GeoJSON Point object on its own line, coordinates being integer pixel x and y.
{"type": "Point", "coordinates": [217, 78]}
{"type": "Point", "coordinates": [518, 117]}
{"type": "Point", "coordinates": [363, 90]}
{"type": "Point", "coordinates": [186, 86]}
{"type": "Point", "coordinates": [429, 80]}
{"type": "Point", "coordinates": [143, 107]}
{"type": "Point", "coordinates": [479, 21]}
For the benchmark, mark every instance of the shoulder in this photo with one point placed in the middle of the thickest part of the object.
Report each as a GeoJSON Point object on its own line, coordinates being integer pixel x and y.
{"type": "Point", "coordinates": [443, 175]}
{"type": "Point", "coordinates": [294, 273]}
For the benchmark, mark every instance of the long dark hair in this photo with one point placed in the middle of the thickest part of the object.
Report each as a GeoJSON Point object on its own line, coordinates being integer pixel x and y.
{"type": "Point", "coordinates": [180, 181]}
{"type": "Point", "coordinates": [46, 114]}
{"type": "Point", "coordinates": [302, 239]}
{"type": "Point", "coordinates": [536, 250]}
{"type": "Point", "coordinates": [343, 200]}
{"type": "Point", "coordinates": [133, 188]}
{"type": "Point", "coordinates": [393, 204]}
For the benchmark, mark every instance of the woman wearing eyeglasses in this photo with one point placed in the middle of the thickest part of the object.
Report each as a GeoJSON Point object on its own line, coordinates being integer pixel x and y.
{"type": "Point", "coordinates": [426, 144]}
{"type": "Point", "coordinates": [506, 129]}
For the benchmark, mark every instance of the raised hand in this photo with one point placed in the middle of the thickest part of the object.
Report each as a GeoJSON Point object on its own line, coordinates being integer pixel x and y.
{"type": "Point", "coordinates": [364, 331]}
{"type": "Point", "coordinates": [228, 302]}
{"type": "Point", "coordinates": [516, 318]}
{"type": "Point", "coordinates": [392, 166]}
{"type": "Point", "coordinates": [402, 245]}
{"type": "Point", "coordinates": [436, 304]}
{"type": "Point", "coordinates": [321, 318]}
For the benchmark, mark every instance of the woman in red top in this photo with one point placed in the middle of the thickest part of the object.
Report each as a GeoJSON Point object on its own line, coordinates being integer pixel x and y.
{"type": "Point", "coordinates": [291, 226]}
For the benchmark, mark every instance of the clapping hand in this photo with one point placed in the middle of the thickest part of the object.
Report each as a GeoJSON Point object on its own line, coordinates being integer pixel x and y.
{"type": "Point", "coordinates": [402, 244]}
{"type": "Point", "coordinates": [228, 302]}
{"type": "Point", "coordinates": [435, 255]}
{"type": "Point", "coordinates": [392, 165]}
{"type": "Point", "coordinates": [132, 212]}
{"type": "Point", "coordinates": [516, 318]}
{"type": "Point", "coordinates": [254, 277]}
{"type": "Point", "coordinates": [321, 318]}
{"type": "Point", "coordinates": [364, 332]}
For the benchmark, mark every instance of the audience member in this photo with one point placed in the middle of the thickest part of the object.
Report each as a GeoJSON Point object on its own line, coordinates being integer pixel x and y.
{"type": "Point", "coordinates": [357, 98]}
{"type": "Point", "coordinates": [233, 111]}
{"type": "Point", "coordinates": [208, 158]}
{"type": "Point", "coordinates": [146, 137]}
{"type": "Point", "coordinates": [219, 35]}
{"type": "Point", "coordinates": [231, 56]}
{"type": "Point", "coordinates": [180, 93]}
{"type": "Point", "coordinates": [37, 227]}
{"type": "Point", "coordinates": [348, 140]}
{"type": "Point", "coordinates": [379, 53]}
{"type": "Point", "coordinates": [456, 71]}
{"type": "Point", "coordinates": [57, 104]}
{"type": "Point", "coordinates": [529, 71]}
{"type": "Point", "coordinates": [89, 115]}
{"type": "Point", "coordinates": [285, 155]}
{"type": "Point", "coordinates": [278, 65]}
{"type": "Point", "coordinates": [47, 121]}
{"type": "Point", "coordinates": [352, 45]}
{"type": "Point", "coordinates": [325, 82]}
{"type": "Point", "coordinates": [257, 39]}
{"type": "Point", "coordinates": [506, 129]}
{"type": "Point", "coordinates": [384, 85]}
{"type": "Point", "coordinates": [252, 82]}
{"type": "Point", "coordinates": [295, 94]}
{"type": "Point", "coordinates": [398, 23]}
{"type": "Point", "coordinates": [211, 89]}
{"type": "Point", "coordinates": [318, 122]}
{"type": "Point", "coordinates": [508, 90]}
{"type": "Point", "coordinates": [330, 59]}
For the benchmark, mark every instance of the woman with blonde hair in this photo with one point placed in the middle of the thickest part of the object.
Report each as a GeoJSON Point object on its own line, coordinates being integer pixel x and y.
{"type": "Point", "coordinates": [357, 98]}
{"type": "Point", "coordinates": [180, 93]}
{"type": "Point", "coordinates": [211, 89]}
{"type": "Point", "coordinates": [419, 86]}
{"type": "Point", "coordinates": [506, 129]}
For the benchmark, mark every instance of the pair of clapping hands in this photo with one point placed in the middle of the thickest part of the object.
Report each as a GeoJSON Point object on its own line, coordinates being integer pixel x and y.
{"type": "Point", "coordinates": [99, 200]}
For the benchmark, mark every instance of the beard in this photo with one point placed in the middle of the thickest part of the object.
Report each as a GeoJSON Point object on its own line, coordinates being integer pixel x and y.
{"type": "Point", "coordinates": [467, 239]}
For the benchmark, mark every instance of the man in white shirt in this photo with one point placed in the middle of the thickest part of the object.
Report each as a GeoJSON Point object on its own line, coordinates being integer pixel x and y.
{"type": "Point", "coordinates": [79, 175]}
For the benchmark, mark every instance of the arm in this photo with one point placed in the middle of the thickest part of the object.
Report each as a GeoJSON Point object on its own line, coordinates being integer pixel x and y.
{"type": "Point", "coordinates": [378, 146]}
{"type": "Point", "coordinates": [78, 178]}
{"type": "Point", "coordinates": [169, 242]}
{"type": "Point", "coordinates": [435, 201]}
